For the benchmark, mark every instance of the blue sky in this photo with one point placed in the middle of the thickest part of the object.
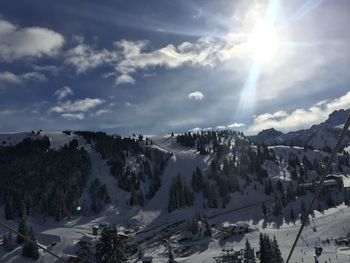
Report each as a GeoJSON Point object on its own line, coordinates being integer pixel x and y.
{"type": "Point", "coordinates": [159, 66]}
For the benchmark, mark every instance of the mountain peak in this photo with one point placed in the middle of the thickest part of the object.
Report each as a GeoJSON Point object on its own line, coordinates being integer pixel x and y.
{"type": "Point", "coordinates": [337, 117]}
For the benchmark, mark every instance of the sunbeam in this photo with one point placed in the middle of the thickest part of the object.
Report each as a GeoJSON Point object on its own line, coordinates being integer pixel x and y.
{"type": "Point", "coordinates": [262, 45]}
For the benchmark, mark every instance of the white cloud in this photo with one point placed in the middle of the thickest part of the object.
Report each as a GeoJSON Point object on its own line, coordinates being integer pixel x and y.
{"type": "Point", "coordinates": [196, 95]}
{"type": "Point", "coordinates": [16, 42]}
{"type": "Point", "coordinates": [34, 76]}
{"type": "Point", "coordinates": [84, 57]}
{"type": "Point", "coordinates": [236, 125]}
{"type": "Point", "coordinates": [47, 68]}
{"type": "Point", "coordinates": [300, 118]}
{"type": "Point", "coordinates": [9, 77]}
{"type": "Point", "coordinates": [63, 92]}
{"type": "Point", "coordinates": [221, 127]}
{"type": "Point", "coordinates": [204, 52]}
{"type": "Point", "coordinates": [83, 105]}
{"type": "Point", "coordinates": [131, 56]}
{"type": "Point", "coordinates": [71, 116]}
{"type": "Point", "coordinates": [125, 79]}
{"type": "Point", "coordinates": [102, 112]}
{"type": "Point", "coordinates": [128, 104]}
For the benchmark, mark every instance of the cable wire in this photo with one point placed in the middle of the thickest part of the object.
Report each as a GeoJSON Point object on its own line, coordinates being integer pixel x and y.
{"type": "Point", "coordinates": [31, 241]}
{"type": "Point", "coordinates": [320, 184]}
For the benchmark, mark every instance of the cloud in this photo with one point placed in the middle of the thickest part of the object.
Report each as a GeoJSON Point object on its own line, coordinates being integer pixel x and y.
{"type": "Point", "coordinates": [221, 127]}
{"type": "Point", "coordinates": [300, 118]}
{"type": "Point", "coordinates": [11, 78]}
{"type": "Point", "coordinates": [131, 56]}
{"type": "Point", "coordinates": [236, 125]}
{"type": "Point", "coordinates": [63, 92]}
{"type": "Point", "coordinates": [47, 68]}
{"type": "Point", "coordinates": [83, 105]}
{"type": "Point", "coordinates": [125, 79]}
{"type": "Point", "coordinates": [196, 95]}
{"type": "Point", "coordinates": [84, 57]}
{"type": "Point", "coordinates": [71, 116]}
{"type": "Point", "coordinates": [6, 112]}
{"type": "Point", "coordinates": [102, 112]}
{"type": "Point", "coordinates": [16, 42]}
{"type": "Point", "coordinates": [205, 51]}
{"type": "Point", "coordinates": [34, 76]}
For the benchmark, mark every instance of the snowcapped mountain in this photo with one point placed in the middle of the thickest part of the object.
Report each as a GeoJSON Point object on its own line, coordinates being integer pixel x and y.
{"type": "Point", "coordinates": [199, 191]}
{"type": "Point", "coordinates": [320, 136]}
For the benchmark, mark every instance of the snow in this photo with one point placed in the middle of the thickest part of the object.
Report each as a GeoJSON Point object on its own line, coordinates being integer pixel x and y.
{"type": "Point", "coordinates": [8, 139]}
{"type": "Point", "coordinates": [153, 217]}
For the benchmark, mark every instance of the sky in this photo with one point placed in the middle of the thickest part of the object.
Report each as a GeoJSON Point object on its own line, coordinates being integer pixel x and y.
{"type": "Point", "coordinates": [161, 66]}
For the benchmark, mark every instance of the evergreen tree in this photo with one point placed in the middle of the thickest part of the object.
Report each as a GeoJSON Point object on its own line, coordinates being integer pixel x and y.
{"type": "Point", "coordinates": [276, 206]}
{"type": "Point", "coordinates": [31, 250]}
{"type": "Point", "coordinates": [264, 209]}
{"type": "Point", "coordinates": [171, 254]}
{"type": "Point", "coordinates": [291, 214]}
{"type": "Point", "coordinates": [277, 256]}
{"type": "Point", "coordinates": [248, 256]}
{"type": "Point", "coordinates": [279, 186]}
{"type": "Point", "coordinates": [110, 248]}
{"type": "Point", "coordinates": [179, 195]}
{"type": "Point", "coordinates": [22, 229]}
{"type": "Point", "coordinates": [262, 252]}
{"type": "Point", "coordinates": [7, 242]}
{"type": "Point", "coordinates": [302, 210]}
{"type": "Point", "coordinates": [9, 210]}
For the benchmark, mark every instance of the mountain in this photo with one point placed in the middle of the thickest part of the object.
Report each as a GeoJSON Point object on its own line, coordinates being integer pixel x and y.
{"type": "Point", "coordinates": [267, 136]}
{"type": "Point", "coordinates": [196, 190]}
{"type": "Point", "coordinates": [320, 136]}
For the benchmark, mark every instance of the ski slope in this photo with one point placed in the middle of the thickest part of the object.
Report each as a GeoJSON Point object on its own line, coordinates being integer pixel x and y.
{"type": "Point", "coordinates": [154, 216]}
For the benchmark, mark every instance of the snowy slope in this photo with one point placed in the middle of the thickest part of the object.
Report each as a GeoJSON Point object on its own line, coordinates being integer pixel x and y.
{"type": "Point", "coordinates": [154, 216]}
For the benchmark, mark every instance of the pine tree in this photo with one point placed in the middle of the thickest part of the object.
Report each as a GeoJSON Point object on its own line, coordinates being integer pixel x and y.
{"type": "Point", "coordinates": [276, 251]}
{"type": "Point", "coordinates": [264, 209]}
{"type": "Point", "coordinates": [30, 250]}
{"type": "Point", "coordinates": [248, 256]}
{"type": "Point", "coordinates": [22, 229]}
{"type": "Point", "coordinates": [262, 251]}
{"type": "Point", "coordinates": [110, 247]}
{"type": "Point", "coordinates": [276, 206]}
{"type": "Point", "coordinates": [302, 210]}
{"type": "Point", "coordinates": [7, 242]}
{"type": "Point", "coordinates": [171, 255]}
{"type": "Point", "coordinates": [10, 242]}
{"type": "Point", "coordinates": [9, 210]}
{"type": "Point", "coordinates": [292, 214]}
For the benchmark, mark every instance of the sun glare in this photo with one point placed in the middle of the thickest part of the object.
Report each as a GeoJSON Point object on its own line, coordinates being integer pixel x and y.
{"type": "Point", "coordinates": [263, 43]}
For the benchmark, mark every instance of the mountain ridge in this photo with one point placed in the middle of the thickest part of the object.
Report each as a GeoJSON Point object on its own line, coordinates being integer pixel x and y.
{"type": "Point", "coordinates": [318, 136]}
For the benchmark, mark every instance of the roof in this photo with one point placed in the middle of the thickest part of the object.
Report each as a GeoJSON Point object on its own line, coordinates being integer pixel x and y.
{"type": "Point", "coordinates": [330, 182]}
{"type": "Point", "coordinates": [335, 176]}
{"type": "Point", "coordinates": [346, 182]}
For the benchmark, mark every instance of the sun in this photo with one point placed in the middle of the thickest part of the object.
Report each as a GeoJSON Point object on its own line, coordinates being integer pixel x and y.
{"type": "Point", "coordinates": [263, 43]}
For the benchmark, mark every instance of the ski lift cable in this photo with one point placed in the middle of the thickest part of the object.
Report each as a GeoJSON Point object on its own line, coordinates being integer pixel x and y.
{"type": "Point", "coordinates": [31, 241]}
{"type": "Point", "coordinates": [320, 184]}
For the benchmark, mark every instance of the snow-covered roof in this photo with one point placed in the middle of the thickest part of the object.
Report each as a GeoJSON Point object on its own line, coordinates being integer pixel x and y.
{"type": "Point", "coordinates": [330, 182]}
{"type": "Point", "coordinates": [346, 182]}
{"type": "Point", "coordinates": [335, 176]}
